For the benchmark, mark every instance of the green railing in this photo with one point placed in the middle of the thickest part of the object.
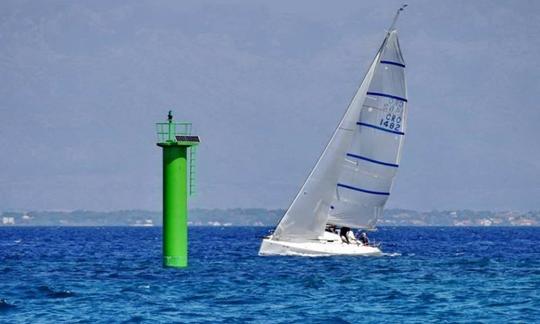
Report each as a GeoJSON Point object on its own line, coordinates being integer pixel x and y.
{"type": "Point", "coordinates": [166, 132]}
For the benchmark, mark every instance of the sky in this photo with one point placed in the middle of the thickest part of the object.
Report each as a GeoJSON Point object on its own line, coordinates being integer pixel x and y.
{"type": "Point", "coordinates": [265, 84]}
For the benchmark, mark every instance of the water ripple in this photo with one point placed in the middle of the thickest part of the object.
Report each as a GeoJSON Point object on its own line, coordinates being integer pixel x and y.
{"type": "Point", "coordinates": [114, 275]}
{"type": "Point", "coordinates": [53, 293]}
{"type": "Point", "coordinates": [6, 306]}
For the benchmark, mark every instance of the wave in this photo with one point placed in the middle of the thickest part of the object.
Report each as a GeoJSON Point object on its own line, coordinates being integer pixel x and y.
{"type": "Point", "coordinates": [52, 293]}
{"type": "Point", "coordinates": [135, 319]}
{"type": "Point", "coordinates": [5, 305]}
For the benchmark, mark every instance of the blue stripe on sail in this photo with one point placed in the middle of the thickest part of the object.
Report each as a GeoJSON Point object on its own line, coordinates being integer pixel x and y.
{"type": "Point", "coordinates": [393, 63]}
{"type": "Point", "coordinates": [371, 160]}
{"type": "Point", "coordinates": [386, 96]}
{"type": "Point", "coordinates": [364, 190]}
{"type": "Point", "coordinates": [380, 128]}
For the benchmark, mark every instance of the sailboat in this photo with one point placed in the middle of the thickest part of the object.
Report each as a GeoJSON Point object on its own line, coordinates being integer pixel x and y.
{"type": "Point", "coordinates": [351, 181]}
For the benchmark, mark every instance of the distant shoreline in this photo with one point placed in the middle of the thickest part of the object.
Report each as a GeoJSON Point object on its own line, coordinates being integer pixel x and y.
{"type": "Point", "coordinates": [260, 217]}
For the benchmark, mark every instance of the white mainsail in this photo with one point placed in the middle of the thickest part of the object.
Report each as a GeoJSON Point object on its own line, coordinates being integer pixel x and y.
{"type": "Point", "coordinates": [352, 179]}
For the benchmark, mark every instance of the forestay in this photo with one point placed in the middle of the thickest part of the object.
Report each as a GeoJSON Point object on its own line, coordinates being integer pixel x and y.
{"type": "Point", "coordinates": [352, 179]}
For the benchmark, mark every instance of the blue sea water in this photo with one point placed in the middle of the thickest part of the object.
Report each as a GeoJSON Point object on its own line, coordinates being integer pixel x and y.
{"type": "Point", "coordinates": [90, 275]}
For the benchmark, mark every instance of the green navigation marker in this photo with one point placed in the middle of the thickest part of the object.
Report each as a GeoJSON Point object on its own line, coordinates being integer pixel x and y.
{"type": "Point", "coordinates": [179, 148]}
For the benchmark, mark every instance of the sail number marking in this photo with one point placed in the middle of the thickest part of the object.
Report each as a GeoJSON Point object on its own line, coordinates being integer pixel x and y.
{"type": "Point", "coordinates": [391, 121]}
{"type": "Point", "coordinates": [393, 110]}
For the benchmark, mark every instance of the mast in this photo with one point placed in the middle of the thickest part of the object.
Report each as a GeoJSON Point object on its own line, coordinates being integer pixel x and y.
{"type": "Point", "coordinates": [392, 26]}
{"type": "Point", "coordinates": [396, 17]}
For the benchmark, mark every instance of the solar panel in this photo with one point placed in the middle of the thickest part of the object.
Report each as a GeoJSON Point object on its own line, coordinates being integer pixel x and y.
{"type": "Point", "coordinates": [187, 138]}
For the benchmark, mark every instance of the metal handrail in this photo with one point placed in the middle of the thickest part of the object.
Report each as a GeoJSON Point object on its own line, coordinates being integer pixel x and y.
{"type": "Point", "coordinates": [167, 132]}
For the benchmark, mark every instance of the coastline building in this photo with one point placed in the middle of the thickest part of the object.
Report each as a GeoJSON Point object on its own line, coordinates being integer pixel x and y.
{"type": "Point", "coordinates": [8, 220]}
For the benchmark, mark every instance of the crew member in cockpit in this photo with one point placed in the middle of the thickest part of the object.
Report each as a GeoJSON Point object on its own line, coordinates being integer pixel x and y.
{"type": "Point", "coordinates": [364, 239]}
{"type": "Point", "coordinates": [344, 234]}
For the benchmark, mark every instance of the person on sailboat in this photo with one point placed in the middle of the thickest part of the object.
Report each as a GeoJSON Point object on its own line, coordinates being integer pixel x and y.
{"type": "Point", "coordinates": [351, 237]}
{"type": "Point", "coordinates": [364, 239]}
{"type": "Point", "coordinates": [344, 234]}
{"type": "Point", "coordinates": [331, 228]}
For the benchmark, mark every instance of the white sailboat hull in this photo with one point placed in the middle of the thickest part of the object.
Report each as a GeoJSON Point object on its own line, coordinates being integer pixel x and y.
{"type": "Point", "coordinates": [315, 248]}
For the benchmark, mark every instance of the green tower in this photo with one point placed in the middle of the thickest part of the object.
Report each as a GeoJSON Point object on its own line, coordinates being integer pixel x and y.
{"type": "Point", "coordinates": [179, 148]}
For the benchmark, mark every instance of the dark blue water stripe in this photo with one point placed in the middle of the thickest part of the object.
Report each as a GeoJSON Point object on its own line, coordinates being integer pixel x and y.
{"type": "Point", "coordinates": [380, 128]}
{"type": "Point", "coordinates": [393, 63]}
{"type": "Point", "coordinates": [364, 190]}
{"type": "Point", "coordinates": [371, 160]}
{"type": "Point", "coordinates": [385, 95]}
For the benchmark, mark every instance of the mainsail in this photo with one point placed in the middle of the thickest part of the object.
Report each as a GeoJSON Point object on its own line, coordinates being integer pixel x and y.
{"type": "Point", "coordinates": [352, 179]}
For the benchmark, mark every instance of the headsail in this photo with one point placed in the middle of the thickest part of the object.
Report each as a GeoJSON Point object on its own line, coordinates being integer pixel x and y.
{"type": "Point", "coordinates": [351, 181]}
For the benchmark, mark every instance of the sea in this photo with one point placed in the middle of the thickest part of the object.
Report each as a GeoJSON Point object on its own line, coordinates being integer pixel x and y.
{"type": "Point", "coordinates": [115, 275]}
